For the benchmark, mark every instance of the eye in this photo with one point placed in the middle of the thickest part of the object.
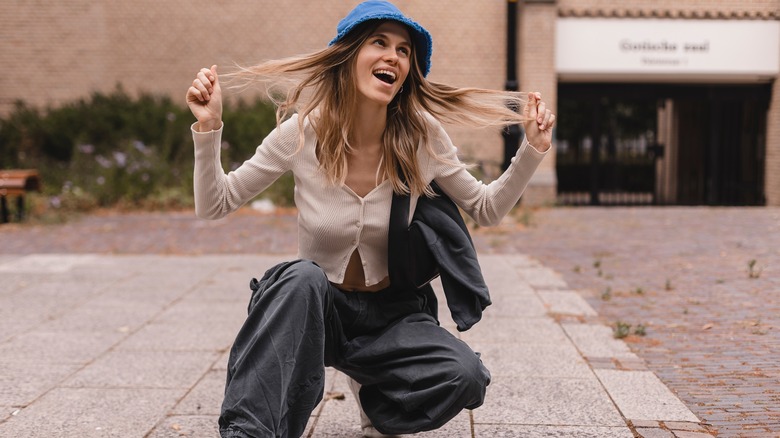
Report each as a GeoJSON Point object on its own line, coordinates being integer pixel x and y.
{"type": "Point", "coordinates": [404, 50]}
{"type": "Point", "coordinates": [380, 42]}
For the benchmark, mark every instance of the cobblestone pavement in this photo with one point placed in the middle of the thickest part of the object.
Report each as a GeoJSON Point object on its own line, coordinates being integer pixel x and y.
{"type": "Point", "coordinates": [713, 329]}
{"type": "Point", "coordinates": [703, 283]}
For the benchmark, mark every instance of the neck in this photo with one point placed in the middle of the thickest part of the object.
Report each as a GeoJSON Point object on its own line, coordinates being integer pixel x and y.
{"type": "Point", "coordinates": [369, 126]}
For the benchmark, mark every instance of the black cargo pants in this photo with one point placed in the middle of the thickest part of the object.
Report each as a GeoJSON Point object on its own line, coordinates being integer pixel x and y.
{"type": "Point", "coordinates": [415, 375]}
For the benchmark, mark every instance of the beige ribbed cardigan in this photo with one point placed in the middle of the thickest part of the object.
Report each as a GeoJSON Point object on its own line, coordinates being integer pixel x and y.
{"type": "Point", "coordinates": [332, 220]}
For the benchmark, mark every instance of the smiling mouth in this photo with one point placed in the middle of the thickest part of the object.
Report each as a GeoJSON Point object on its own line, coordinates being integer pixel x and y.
{"type": "Point", "coordinates": [385, 76]}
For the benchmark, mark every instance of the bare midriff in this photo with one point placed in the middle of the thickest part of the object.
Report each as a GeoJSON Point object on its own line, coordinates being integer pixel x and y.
{"type": "Point", "coordinates": [355, 280]}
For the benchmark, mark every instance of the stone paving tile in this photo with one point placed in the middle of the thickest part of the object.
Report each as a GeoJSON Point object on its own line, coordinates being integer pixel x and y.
{"type": "Point", "coordinates": [645, 432]}
{"type": "Point", "coordinates": [144, 369]}
{"type": "Point", "coordinates": [521, 361]}
{"type": "Point", "coordinates": [205, 398]}
{"type": "Point", "coordinates": [23, 382]}
{"type": "Point", "coordinates": [632, 391]}
{"type": "Point", "coordinates": [193, 308]}
{"type": "Point", "coordinates": [61, 347]}
{"type": "Point", "coordinates": [48, 263]}
{"type": "Point", "coordinates": [597, 341]}
{"type": "Point", "coordinates": [37, 303]}
{"type": "Point", "coordinates": [525, 331]}
{"type": "Point", "coordinates": [516, 304]}
{"type": "Point", "coordinates": [189, 426]}
{"type": "Point", "coordinates": [533, 400]}
{"type": "Point", "coordinates": [542, 278]}
{"type": "Point", "coordinates": [565, 302]}
{"type": "Point", "coordinates": [106, 313]}
{"type": "Point", "coordinates": [514, 431]}
{"type": "Point", "coordinates": [77, 412]}
{"type": "Point", "coordinates": [182, 336]}
{"type": "Point", "coordinates": [7, 412]}
{"type": "Point", "coordinates": [692, 435]}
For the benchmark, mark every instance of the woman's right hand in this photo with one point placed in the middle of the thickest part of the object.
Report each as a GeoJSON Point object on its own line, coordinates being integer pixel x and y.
{"type": "Point", "coordinates": [204, 98]}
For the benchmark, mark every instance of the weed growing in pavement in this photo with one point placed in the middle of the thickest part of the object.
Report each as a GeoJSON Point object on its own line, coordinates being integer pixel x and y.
{"type": "Point", "coordinates": [639, 291]}
{"type": "Point", "coordinates": [597, 264]}
{"type": "Point", "coordinates": [668, 285]}
{"type": "Point", "coordinates": [753, 270]}
{"type": "Point", "coordinates": [577, 269]}
{"type": "Point", "coordinates": [607, 294]}
{"type": "Point", "coordinates": [623, 329]}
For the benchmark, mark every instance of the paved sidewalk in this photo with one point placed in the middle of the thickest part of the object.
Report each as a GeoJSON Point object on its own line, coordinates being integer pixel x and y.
{"type": "Point", "coordinates": [136, 346]}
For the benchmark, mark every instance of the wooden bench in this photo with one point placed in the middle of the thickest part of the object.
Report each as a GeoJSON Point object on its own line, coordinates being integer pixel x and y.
{"type": "Point", "coordinates": [17, 183]}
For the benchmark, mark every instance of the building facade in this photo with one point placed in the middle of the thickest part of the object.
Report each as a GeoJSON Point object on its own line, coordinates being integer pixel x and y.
{"type": "Point", "coordinates": [652, 103]}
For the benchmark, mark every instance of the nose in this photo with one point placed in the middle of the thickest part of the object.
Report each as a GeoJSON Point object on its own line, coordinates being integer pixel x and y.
{"type": "Point", "coordinates": [391, 55]}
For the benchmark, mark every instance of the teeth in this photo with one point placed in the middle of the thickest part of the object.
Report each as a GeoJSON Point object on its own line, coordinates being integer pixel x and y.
{"type": "Point", "coordinates": [385, 72]}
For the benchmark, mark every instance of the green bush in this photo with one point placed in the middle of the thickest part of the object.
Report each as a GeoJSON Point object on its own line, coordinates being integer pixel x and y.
{"type": "Point", "coordinates": [118, 150]}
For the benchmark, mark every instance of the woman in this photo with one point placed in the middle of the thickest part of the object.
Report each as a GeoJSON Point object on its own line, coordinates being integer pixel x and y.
{"type": "Point", "coordinates": [368, 127]}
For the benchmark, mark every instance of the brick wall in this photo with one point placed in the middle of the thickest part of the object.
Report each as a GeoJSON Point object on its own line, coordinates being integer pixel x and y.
{"type": "Point", "coordinates": [56, 51]}
{"type": "Point", "coordinates": [537, 73]}
{"type": "Point", "coordinates": [713, 7]}
{"type": "Point", "coordinates": [772, 165]}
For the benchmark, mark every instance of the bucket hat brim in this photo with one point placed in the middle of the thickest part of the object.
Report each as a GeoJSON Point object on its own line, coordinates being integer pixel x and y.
{"type": "Point", "coordinates": [382, 10]}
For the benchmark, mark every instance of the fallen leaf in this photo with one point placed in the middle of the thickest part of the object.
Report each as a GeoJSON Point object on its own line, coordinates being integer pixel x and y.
{"type": "Point", "coordinates": [175, 427]}
{"type": "Point", "coordinates": [334, 396]}
{"type": "Point", "coordinates": [708, 326]}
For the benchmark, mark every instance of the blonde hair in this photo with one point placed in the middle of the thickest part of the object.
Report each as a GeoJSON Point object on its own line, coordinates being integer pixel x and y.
{"type": "Point", "coordinates": [322, 85]}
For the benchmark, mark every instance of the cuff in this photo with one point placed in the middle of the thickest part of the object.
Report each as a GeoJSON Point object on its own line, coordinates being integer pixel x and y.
{"type": "Point", "coordinates": [194, 132]}
{"type": "Point", "coordinates": [527, 149]}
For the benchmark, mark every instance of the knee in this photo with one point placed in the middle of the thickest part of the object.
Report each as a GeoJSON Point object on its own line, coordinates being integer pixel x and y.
{"type": "Point", "coordinates": [305, 279]}
{"type": "Point", "coordinates": [305, 271]}
{"type": "Point", "coordinates": [471, 378]}
{"type": "Point", "coordinates": [300, 281]}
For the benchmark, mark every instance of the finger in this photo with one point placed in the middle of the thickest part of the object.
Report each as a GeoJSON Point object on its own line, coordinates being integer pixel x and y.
{"type": "Point", "coordinates": [198, 85]}
{"type": "Point", "coordinates": [540, 111]}
{"type": "Point", "coordinates": [203, 76]}
{"type": "Point", "coordinates": [215, 80]}
{"type": "Point", "coordinates": [194, 95]}
{"type": "Point", "coordinates": [545, 119]}
{"type": "Point", "coordinates": [214, 76]}
{"type": "Point", "coordinates": [551, 123]}
{"type": "Point", "coordinates": [530, 107]}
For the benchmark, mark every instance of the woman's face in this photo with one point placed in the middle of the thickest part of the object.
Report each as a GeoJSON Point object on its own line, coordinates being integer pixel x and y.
{"type": "Point", "coordinates": [383, 63]}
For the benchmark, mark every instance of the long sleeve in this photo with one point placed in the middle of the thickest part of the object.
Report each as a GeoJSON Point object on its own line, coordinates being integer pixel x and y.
{"type": "Point", "coordinates": [487, 204]}
{"type": "Point", "coordinates": [217, 193]}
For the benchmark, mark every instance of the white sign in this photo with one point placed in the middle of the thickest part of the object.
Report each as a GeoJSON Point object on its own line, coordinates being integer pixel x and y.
{"type": "Point", "coordinates": [593, 48]}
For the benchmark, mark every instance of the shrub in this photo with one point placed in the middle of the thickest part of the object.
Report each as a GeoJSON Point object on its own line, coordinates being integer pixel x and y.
{"type": "Point", "coordinates": [117, 150]}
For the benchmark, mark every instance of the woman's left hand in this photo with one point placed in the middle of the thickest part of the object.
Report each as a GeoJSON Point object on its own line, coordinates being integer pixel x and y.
{"type": "Point", "coordinates": [539, 122]}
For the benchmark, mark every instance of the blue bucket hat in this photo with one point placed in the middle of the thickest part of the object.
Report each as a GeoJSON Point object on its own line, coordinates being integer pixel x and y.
{"type": "Point", "coordinates": [383, 10]}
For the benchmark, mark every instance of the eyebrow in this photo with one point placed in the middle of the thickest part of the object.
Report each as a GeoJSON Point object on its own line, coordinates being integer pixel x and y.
{"type": "Point", "coordinates": [385, 36]}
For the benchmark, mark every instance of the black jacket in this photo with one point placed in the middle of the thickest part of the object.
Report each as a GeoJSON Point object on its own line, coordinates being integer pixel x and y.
{"type": "Point", "coordinates": [436, 242]}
